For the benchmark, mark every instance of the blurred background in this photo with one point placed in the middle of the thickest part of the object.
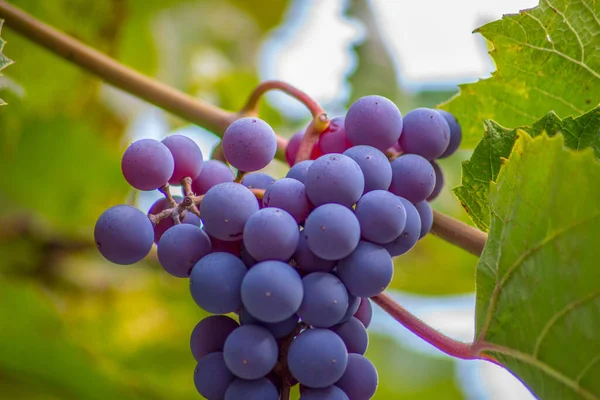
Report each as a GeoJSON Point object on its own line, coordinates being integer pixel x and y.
{"type": "Point", "coordinates": [73, 326]}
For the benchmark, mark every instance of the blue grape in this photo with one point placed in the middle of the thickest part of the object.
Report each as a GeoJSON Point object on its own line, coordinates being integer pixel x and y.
{"type": "Point", "coordinates": [455, 133]}
{"type": "Point", "coordinates": [147, 164]}
{"type": "Point", "coordinates": [332, 231]}
{"type": "Point", "coordinates": [212, 377]}
{"type": "Point", "coordinates": [381, 215]}
{"type": "Point", "coordinates": [374, 121]}
{"type": "Point", "coordinates": [271, 234]}
{"type": "Point", "coordinates": [272, 291]}
{"type": "Point", "coordinates": [225, 209]}
{"type": "Point", "coordinates": [123, 235]}
{"type": "Point", "coordinates": [249, 144]}
{"type": "Point", "coordinates": [181, 247]}
{"type": "Point", "coordinates": [289, 195]}
{"type": "Point", "coordinates": [367, 271]}
{"type": "Point", "coordinates": [250, 352]}
{"type": "Point", "coordinates": [258, 389]}
{"type": "Point", "coordinates": [279, 330]}
{"type": "Point", "coordinates": [410, 235]}
{"type": "Point", "coordinates": [215, 282]}
{"type": "Point", "coordinates": [426, 215]}
{"type": "Point", "coordinates": [248, 260]}
{"type": "Point", "coordinates": [353, 304]}
{"type": "Point", "coordinates": [354, 335]}
{"type": "Point", "coordinates": [334, 138]}
{"type": "Point", "coordinates": [299, 171]}
{"type": "Point", "coordinates": [209, 335]}
{"type": "Point", "coordinates": [413, 177]}
{"type": "Point", "coordinates": [186, 155]}
{"type": "Point", "coordinates": [374, 165]}
{"type": "Point", "coordinates": [222, 246]}
{"type": "Point", "coordinates": [166, 223]}
{"type": "Point", "coordinates": [334, 178]}
{"type": "Point", "coordinates": [291, 150]}
{"type": "Point", "coordinates": [425, 133]}
{"type": "Point", "coordinates": [365, 312]}
{"type": "Point", "coordinates": [308, 261]}
{"type": "Point", "coordinates": [257, 180]}
{"type": "Point", "coordinates": [360, 379]}
{"type": "Point", "coordinates": [326, 393]}
{"type": "Point", "coordinates": [317, 358]}
{"type": "Point", "coordinates": [213, 172]}
{"type": "Point", "coordinates": [325, 300]}
{"type": "Point", "coordinates": [439, 181]}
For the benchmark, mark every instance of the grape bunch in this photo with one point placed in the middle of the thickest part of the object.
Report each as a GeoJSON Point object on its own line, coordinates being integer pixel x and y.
{"type": "Point", "coordinates": [286, 266]}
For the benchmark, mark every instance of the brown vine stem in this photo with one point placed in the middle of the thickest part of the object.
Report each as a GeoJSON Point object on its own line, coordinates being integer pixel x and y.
{"type": "Point", "coordinates": [251, 107]}
{"type": "Point", "coordinates": [458, 233]}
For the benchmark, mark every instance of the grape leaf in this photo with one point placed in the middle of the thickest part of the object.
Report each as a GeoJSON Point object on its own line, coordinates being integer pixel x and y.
{"type": "Point", "coordinates": [497, 142]}
{"type": "Point", "coordinates": [4, 61]}
{"type": "Point", "coordinates": [547, 58]}
{"type": "Point", "coordinates": [538, 282]}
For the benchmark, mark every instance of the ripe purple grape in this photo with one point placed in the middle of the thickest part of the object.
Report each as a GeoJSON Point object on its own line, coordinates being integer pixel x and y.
{"type": "Point", "coordinates": [249, 144]}
{"type": "Point", "coordinates": [325, 300]}
{"type": "Point", "coordinates": [250, 352]}
{"type": "Point", "coordinates": [439, 181]}
{"type": "Point", "coordinates": [353, 303]}
{"type": "Point", "coordinates": [147, 164]}
{"type": "Point", "coordinates": [257, 180]}
{"type": "Point", "coordinates": [279, 330]}
{"type": "Point", "coordinates": [326, 393]}
{"type": "Point", "coordinates": [413, 177]}
{"type": "Point", "coordinates": [209, 335]}
{"type": "Point", "coordinates": [187, 157]}
{"type": "Point", "coordinates": [299, 171]}
{"type": "Point", "coordinates": [455, 133]}
{"type": "Point", "coordinates": [334, 178]}
{"type": "Point", "coordinates": [410, 235]}
{"type": "Point", "coordinates": [360, 379]}
{"type": "Point", "coordinates": [365, 312]}
{"type": "Point", "coordinates": [223, 246]}
{"type": "Point", "coordinates": [425, 133]}
{"type": "Point", "coordinates": [426, 215]}
{"type": "Point", "coordinates": [289, 195]}
{"type": "Point", "coordinates": [257, 389]}
{"type": "Point", "coordinates": [354, 335]}
{"type": "Point", "coordinates": [367, 271]}
{"type": "Point", "coordinates": [181, 247]}
{"type": "Point", "coordinates": [373, 121]}
{"type": "Point", "coordinates": [271, 234]}
{"type": "Point", "coordinates": [334, 138]}
{"type": "Point", "coordinates": [332, 231]}
{"type": "Point", "coordinates": [307, 260]}
{"type": "Point", "coordinates": [291, 150]}
{"type": "Point", "coordinates": [381, 215]}
{"type": "Point", "coordinates": [212, 377]}
{"type": "Point", "coordinates": [374, 165]}
{"type": "Point", "coordinates": [166, 223]}
{"type": "Point", "coordinates": [213, 172]}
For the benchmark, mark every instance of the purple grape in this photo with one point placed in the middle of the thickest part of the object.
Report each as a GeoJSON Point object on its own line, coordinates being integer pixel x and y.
{"type": "Point", "coordinates": [307, 260]}
{"type": "Point", "coordinates": [291, 150]}
{"type": "Point", "coordinates": [215, 283]}
{"type": "Point", "coordinates": [289, 195]}
{"type": "Point", "coordinates": [439, 181]}
{"type": "Point", "coordinates": [299, 171]}
{"type": "Point", "coordinates": [166, 223]}
{"type": "Point", "coordinates": [272, 291]}
{"type": "Point", "coordinates": [325, 300]}
{"type": "Point", "coordinates": [317, 358]}
{"type": "Point", "coordinates": [186, 155]}
{"type": "Point", "coordinates": [413, 177]}
{"type": "Point", "coordinates": [279, 330]}
{"type": "Point", "coordinates": [381, 215]}
{"type": "Point", "coordinates": [271, 234]}
{"type": "Point", "coordinates": [211, 376]}
{"type": "Point", "coordinates": [123, 235]}
{"type": "Point", "coordinates": [326, 393]}
{"type": "Point", "coordinates": [332, 231]}
{"type": "Point", "coordinates": [410, 235]}
{"type": "Point", "coordinates": [181, 247]}
{"type": "Point", "coordinates": [354, 335]}
{"type": "Point", "coordinates": [334, 139]}
{"type": "Point", "coordinates": [249, 144]}
{"type": "Point", "coordinates": [455, 133]}
{"type": "Point", "coordinates": [210, 334]}
{"type": "Point", "coordinates": [425, 133]}
{"type": "Point", "coordinates": [365, 312]}
{"type": "Point", "coordinates": [147, 164]}
{"type": "Point", "coordinates": [367, 271]}
{"type": "Point", "coordinates": [426, 215]}
{"type": "Point", "coordinates": [258, 389]}
{"type": "Point", "coordinates": [257, 180]}
{"type": "Point", "coordinates": [213, 172]}
{"type": "Point", "coordinates": [222, 246]}
{"type": "Point", "coordinates": [334, 178]}
{"type": "Point", "coordinates": [353, 303]}
{"type": "Point", "coordinates": [360, 379]}
{"type": "Point", "coordinates": [250, 352]}
{"type": "Point", "coordinates": [374, 165]}
{"type": "Point", "coordinates": [374, 121]}
{"type": "Point", "coordinates": [225, 209]}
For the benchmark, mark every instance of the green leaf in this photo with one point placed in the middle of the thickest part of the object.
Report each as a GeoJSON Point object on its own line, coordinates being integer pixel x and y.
{"type": "Point", "coordinates": [547, 58]}
{"type": "Point", "coordinates": [496, 145]}
{"type": "Point", "coordinates": [4, 61]}
{"type": "Point", "coordinates": [538, 282]}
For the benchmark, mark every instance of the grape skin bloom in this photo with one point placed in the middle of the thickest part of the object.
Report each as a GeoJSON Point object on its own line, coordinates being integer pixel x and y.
{"type": "Point", "coordinates": [147, 164]}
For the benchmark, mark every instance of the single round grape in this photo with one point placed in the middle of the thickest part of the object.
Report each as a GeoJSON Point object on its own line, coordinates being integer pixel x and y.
{"type": "Point", "coordinates": [215, 283]}
{"type": "Point", "coordinates": [367, 271]}
{"type": "Point", "coordinates": [374, 121]}
{"type": "Point", "coordinates": [279, 330]}
{"type": "Point", "coordinates": [249, 144]}
{"type": "Point", "coordinates": [212, 377]}
{"type": "Point", "coordinates": [332, 231]}
{"type": "Point", "coordinates": [410, 235]}
{"type": "Point", "coordinates": [354, 335]}
{"type": "Point", "coordinates": [299, 171]}
{"type": "Point", "coordinates": [334, 178]}
{"type": "Point", "coordinates": [413, 177]}
{"type": "Point", "coordinates": [325, 300]}
{"type": "Point", "coordinates": [147, 164]}
{"type": "Point", "coordinates": [365, 312]}
{"type": "Point", "coordinates": [308, 261]}
{"type": "Point", "coordinates": [213, 172]}
{"type": "Point", "coordinates": [271, 234]}
{"type": "Point", "coordinates": [381, 216]}
{"type": "Point", "coordinates": [272, 291]}
{"type": "Point", "coordinates": [360, 379]}
{"type": "Point", "coordinates": [439, 181]}
{"type": "Point", "coordinates": [166, 223]}
{"type": "Point", "coordinates": [209, 335]}
{"type": "Point", "coordinates": [289, 195]}
{"type": "Point", "coordinates": [426, 215]}
{"type": "Point", "coordinates": [374, 165]}
{"type": "Point", "coordinates": [291, 150]}
{"type": "Point", "coordinates": [250, 352]}
{"type": "Point", "coordinates": [123, 235]}
{"type": "Point", "coordinates": [455, 133]}
{"type": "Point", "coordinates": [223, 246]}
{"type": "Point", "coordinates": [334, 139]}
{"type": "Point", "coordinates": [425, 133]}
{"type": "Point", "coordinates": [225, 209]}
{"type": "Point", "coordinates": [317, 358]}
{"type": "Point", "coordinates": [353, 303]}
{"type": "Point", "coordinates": [326, 393]}
{"type": "Point", "coordinates": [186, 155]}
{"type": "Point", "coordinates": [181, 247]}
{"type": "Point", "coordinates": [258, 389]}
{"type": "Point", "coordinates": [257, 180]}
